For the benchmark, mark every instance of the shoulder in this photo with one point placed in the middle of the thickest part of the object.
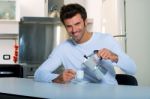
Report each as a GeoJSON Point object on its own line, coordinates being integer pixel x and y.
{"type": "Point", "coordinates": [61, 48]}
{"type": "Point", "coordinates": [101, 35]}
{"type": "Point", "coordinates": [67, 44]}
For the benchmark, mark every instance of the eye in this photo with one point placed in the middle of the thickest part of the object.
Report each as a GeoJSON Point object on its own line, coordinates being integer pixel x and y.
{"type": "Point", "coordinates": [68, 26]}
{"type": "Point", "coordinates": [78, 23]}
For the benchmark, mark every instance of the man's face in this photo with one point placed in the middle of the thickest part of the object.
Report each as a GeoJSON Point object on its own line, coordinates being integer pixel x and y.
{"type": "Point", "coordinates": [76, 27]}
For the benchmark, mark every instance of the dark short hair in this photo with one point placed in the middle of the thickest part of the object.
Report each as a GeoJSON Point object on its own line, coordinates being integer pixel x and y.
{"type": "Point", "coordinates": [70, 10]}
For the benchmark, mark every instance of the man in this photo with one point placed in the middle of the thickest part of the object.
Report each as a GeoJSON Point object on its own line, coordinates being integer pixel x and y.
{"type": "Point", "coordinates": [81, 42]}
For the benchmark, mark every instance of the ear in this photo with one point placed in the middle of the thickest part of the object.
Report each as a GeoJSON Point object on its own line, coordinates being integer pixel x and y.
{"type": "Point", "coordinates": [85, 22]}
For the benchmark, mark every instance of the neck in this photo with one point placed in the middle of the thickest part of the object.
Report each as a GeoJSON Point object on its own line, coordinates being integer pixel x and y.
{"type": "Point", "coordinates": [87, 35]}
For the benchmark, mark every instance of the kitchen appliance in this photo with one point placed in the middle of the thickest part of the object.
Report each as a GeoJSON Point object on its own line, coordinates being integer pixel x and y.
{"type": "Point", "coordinates": [11, 70]}
{"type": "Point", "coordinates": [37, 38]}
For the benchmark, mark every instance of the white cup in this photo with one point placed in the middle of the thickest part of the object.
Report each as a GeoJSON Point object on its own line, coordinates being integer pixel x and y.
{"type": "Point", "coordinates": [79, 75]}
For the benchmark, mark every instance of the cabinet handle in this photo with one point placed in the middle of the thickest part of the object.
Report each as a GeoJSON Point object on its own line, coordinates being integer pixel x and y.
{"type": "Point", "coordinates": [5, 72]}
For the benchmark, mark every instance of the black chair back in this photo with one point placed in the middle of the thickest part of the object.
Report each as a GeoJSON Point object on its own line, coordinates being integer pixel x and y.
{"type": "Point", "coordinates": [124, 79]}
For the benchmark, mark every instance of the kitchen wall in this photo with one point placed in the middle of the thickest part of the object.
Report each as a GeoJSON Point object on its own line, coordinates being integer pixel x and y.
{"type": "Point", "coordinates": [135, 25]}
{"type": "Point", "coordinates": [138, 34]}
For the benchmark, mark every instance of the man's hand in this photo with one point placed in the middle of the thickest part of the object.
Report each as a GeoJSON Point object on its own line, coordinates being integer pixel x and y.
{"type": "Point", "coordinates": [107, 54]}
{"type": "Point", "coordinates": [65, 77]}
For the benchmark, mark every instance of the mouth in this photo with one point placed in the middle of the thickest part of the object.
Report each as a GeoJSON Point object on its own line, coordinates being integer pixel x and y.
{"type": "Point", "coordinates": [75, 34]}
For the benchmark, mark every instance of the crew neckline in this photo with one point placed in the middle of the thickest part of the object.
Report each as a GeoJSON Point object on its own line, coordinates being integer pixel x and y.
{"type": "Point", "coordinates": [88, 41]}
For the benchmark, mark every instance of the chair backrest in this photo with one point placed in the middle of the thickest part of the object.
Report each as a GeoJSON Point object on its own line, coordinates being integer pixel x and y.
{"type": "Point", "coordinates": [124, 79]}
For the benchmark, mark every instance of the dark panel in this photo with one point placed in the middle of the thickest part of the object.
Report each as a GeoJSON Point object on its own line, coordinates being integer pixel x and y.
{"type": "Point", "coordinates": [11, 70]}
{"type": "Point", "coordinates": [10, 96]}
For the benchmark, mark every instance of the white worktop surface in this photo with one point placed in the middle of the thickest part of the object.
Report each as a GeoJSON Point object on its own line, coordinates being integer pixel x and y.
{"type": "Point", "coordinates": [28, 87]}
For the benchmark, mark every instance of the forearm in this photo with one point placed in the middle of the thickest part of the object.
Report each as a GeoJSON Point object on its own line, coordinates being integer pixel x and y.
{"type": "Point", "coordinates": [44, 76]}
{"type": "Point", "coordinates": [126, 64]}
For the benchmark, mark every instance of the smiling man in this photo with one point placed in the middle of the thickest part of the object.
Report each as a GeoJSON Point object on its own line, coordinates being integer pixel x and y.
{"type": "Point", "coordinates": [82, 42]}
{"type": "Point", "coordinates": [76, 28]}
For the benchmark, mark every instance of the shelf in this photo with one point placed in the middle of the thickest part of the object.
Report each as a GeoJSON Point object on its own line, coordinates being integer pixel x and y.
{"type": "Point", "coordinates": [40, 20]}
{"type": "Point", "coordinates": [9, 36]}
{"type": "Point", "coordinates": [8, 21]}
{"type": "Point", "coordinates": [9, 27]}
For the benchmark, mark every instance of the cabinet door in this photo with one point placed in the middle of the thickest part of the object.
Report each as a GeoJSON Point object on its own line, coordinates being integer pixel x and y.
{"type": "Point", "coordinates": [33, 8]}
{"type": "Point", "coordinates": [9, 10]}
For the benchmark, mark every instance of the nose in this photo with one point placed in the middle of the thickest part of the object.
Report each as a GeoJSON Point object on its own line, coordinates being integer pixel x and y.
{"type": "Point", "coordinates": [73, 29]}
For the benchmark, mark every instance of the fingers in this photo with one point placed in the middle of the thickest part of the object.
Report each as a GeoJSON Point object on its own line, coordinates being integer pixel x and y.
{"type": "Point", "coordinates": [103, 53]}
{"type": "Point", "coordinates": [65, 77]}
{"type": "Point", "coordinates": [107, 54]}
{"type": "Point", "coordinates": [68, 75]}
{"type": "Point", "coordinates": [70, 71]}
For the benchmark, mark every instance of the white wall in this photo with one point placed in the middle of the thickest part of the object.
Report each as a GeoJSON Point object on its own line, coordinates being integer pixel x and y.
{"type": "Point", "coordinates": [113, 16]}
{"type": "Point", "coordinates": [82, 2]}
{"type": "Point", "coordinates": [94, 10]}
{"type": "Point", "coordinates": [138, 34]}
{"type": "Point", "coordinates": [7, 48]}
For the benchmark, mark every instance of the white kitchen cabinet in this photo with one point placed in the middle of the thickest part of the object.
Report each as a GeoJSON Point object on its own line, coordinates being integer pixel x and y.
{"type": "Point", "coordinates": [9, 10]}
{"type": "Point", "coordinates": [12, 10]}
{"type": "Point", "coordinates": [33, 8]}
{"type": "Point", "coordinates": [9, 16]}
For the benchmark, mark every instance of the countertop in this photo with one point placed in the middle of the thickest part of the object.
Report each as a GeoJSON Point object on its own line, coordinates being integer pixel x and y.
{"type": "Point", "coordinates": [31, 88]}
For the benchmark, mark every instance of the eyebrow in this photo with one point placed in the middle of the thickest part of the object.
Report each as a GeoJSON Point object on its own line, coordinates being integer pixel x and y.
{"type": "Point", "coordinates": [73, 24]}
{"type": "Point", "coordinates": [77, 23]}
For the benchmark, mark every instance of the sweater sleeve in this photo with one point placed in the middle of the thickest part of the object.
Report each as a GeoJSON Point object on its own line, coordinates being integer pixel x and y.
{"type": "Point", "coordinates": [44, 72]}
{"type": "Point", "coordinates": [125, 63]}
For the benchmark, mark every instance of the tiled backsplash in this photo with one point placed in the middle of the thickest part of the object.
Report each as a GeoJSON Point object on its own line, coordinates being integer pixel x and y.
{"type": "Point", "coordinates": [7, 51]}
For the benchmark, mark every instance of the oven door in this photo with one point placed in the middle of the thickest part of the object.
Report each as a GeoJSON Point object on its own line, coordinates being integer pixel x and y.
{"type": "Point", "coordinates": [11, 70]}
